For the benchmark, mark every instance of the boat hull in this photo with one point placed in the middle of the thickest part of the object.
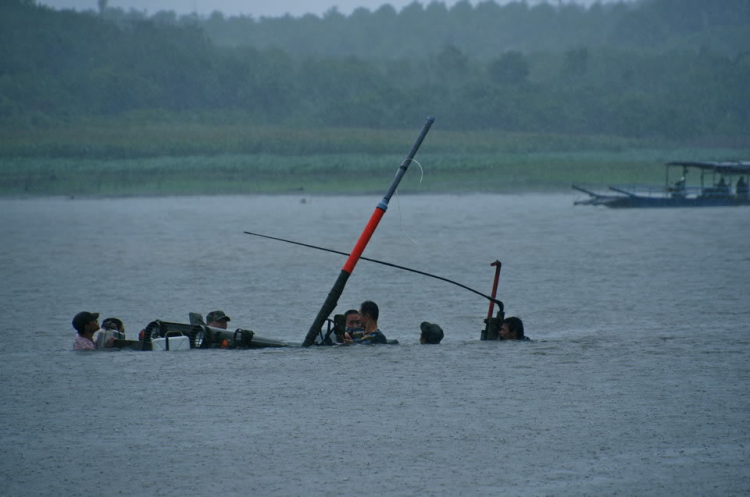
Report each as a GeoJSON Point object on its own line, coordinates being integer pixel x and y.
{"type": "Point", "coordinates": [617, 202]}
{"type": "Point", "coordinates": [627, 200]}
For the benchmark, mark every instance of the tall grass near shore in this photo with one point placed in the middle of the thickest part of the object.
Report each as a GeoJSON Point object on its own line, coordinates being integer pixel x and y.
{"type": "Point", "coordinates": [108, 158]}
{"type": "Point", "coordinates": [339, 173]}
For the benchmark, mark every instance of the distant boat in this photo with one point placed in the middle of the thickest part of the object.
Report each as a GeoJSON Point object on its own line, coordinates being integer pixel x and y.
{"type": "Point", "coordinates": [719, 176]}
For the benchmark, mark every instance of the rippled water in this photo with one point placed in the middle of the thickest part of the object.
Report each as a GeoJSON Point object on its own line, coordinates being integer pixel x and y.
{"type": "Point", "coordinates": [637, 382]}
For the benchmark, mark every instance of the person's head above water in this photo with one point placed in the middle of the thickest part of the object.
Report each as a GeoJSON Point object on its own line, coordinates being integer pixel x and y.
{"type": "Point", "coordinates": [368, 315]}
{"type": "Point", "coordinates": [217, 319]}
{"type": "Point", "coordinates": [512, 329]}
{"type": "Point", "coordinates": [113, 324]}
{"type": "Point", "coordinates": [431, 333]}
{"type": "Point", "coordinates": [86, 322]}
{"type": "Point", "coordinates": [352, 320]}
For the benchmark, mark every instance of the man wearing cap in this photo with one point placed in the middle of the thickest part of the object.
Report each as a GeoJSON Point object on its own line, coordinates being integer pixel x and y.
{"type": "Point", "coordinates": [217, 319]}
{"type": "Point", "coordinates": [86, 324]}
{"type": "Point", "coordinates": [431, 333]}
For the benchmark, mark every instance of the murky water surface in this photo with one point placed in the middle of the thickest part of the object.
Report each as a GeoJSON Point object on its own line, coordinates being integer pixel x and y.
{"type": "Point", "coordinates": [637, 382]}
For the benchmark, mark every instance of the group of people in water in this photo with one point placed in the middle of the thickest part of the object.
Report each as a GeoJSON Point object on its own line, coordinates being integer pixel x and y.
{"type": "Point", "coordinates": [361, 327]}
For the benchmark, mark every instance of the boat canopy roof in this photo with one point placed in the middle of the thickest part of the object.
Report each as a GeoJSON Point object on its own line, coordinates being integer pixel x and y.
{"type": "Point", "coordinates": [725, 167]}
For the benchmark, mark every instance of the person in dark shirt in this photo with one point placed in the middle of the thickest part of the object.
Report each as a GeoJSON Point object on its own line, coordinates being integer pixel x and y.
{"type": "Point", "coordinates": [512, 329]}
{"type": "Point", "coordinates": [722, 186]}
{"type": "Point", "coordinates": [742, 188]}
{"type": "Point", "coordinates": [370, 334]}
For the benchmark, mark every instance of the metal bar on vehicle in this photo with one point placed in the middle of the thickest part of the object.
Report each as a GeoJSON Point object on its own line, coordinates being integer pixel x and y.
{"type": "Point", "coordinates": [498, 265]}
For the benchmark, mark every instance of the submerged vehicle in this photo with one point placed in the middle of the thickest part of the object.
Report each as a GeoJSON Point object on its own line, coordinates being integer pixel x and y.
{"type": "Point", "coordinates": [168, 336]}
{"type": "Point", "coordinates": [161, 335]}
{"type": "Point", "coordinates": [715, 188]}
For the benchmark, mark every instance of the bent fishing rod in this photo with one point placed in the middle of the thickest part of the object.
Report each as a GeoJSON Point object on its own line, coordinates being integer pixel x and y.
{"type": "Point", "coordinates": [338, 287]}
{"type": "Point", "coordinates": [389, 264]}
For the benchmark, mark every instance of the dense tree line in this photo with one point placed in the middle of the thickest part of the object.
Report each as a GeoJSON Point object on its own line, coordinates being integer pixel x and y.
{"type": "Point", "coordinates": [56, 66]}
{"type": "Point", "coordinates": [482, 30]}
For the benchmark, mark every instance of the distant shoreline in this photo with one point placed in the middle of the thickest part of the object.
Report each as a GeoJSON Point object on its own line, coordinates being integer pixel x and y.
{"type": "Point", "coordinates": [110, 158]}
{"type": "Point", "coordinates": [300, 196]}
{"type": "Point", "coordinates": [346, 174]}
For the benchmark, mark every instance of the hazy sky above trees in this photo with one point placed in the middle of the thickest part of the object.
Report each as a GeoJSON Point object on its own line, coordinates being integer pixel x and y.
{"type": "Point", "coordinates": [257, 8]}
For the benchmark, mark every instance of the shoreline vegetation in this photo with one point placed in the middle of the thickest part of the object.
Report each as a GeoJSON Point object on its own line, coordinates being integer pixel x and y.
{"type": "Point", "coordinates": [528, 98]}
{"type": "Point", "coordinates": [112, 159]}
{"type": "Point", "coordinates": [101, 158]}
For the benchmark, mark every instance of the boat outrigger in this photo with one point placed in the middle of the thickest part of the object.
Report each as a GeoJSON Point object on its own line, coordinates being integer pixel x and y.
{"type": "Point", "coordinates": [715, 189]}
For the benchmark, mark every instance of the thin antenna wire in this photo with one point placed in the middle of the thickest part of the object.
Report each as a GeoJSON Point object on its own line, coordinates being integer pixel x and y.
{"type": "Point", "coordinates": [492, 299]}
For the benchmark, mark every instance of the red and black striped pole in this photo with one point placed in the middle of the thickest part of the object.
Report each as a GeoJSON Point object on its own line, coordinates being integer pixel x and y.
{"type": "Point", "coordinates": [486, 331]}
{"type": "Point", "coordinates": [333, 296]}
{"type": "Point", "coordinates": [498, 265]}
